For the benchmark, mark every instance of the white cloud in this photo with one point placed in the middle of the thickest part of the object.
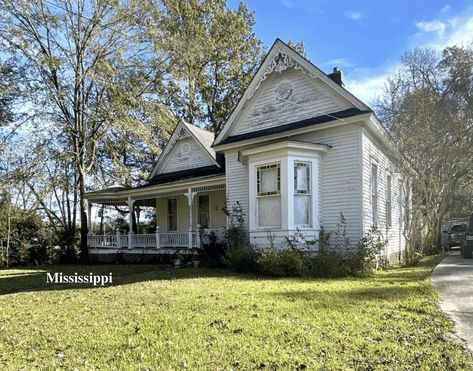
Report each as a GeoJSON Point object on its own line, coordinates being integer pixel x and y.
{"type": "Point", "coordinates": [432, 26]}
{"type": "Point", "coordinates": [338, 62]}
{"type": "Point", "coordinates": [368, 85]}
{"type": "Point", "coordinates": [287, 3]}
{"type": "Point", "coordinates": [353, 15]}
{"type": "Point", "coordinates": [445, 9]}
{"type": "Point", "coordinates": [371, 87]}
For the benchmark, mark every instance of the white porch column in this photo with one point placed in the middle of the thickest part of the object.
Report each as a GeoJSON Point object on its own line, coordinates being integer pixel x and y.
{"type": "Point", "coordinates": [89, 218]}
{"type": "Point", "coordinates": [117, 238]}
{"type": "Point", "coordinates": [190, 197]}
{"type": "Point", "coordinates": [130, 222]}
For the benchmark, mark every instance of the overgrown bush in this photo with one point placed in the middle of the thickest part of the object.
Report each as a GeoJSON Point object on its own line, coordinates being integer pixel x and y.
{"type": "Point", "coordinates": [366, 256]}
{"type": "Point", "coordinates": [238, 254]}
{"type": "Point", "coordinates": [285, 263]}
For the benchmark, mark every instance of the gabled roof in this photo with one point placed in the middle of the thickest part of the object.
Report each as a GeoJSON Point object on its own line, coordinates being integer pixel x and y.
{"type": "Point", "coordinates": [279, 58]}
{"type": "Point", "coordinates": [340, 115]}
{"type": "Point", "coordinates": [202, 137]}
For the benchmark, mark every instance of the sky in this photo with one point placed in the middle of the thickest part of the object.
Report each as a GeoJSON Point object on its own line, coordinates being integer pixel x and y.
{"type": "Point", "coordinates": [365, 38]}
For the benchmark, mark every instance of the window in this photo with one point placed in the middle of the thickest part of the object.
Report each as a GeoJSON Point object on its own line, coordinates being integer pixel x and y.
{"type": "Point", "coordinates": [268, 188]}
{"type": "Point", "coordinates": [389, 214]}
{"type": "Point", "coordinates": [374, 194]}
{"type": "Point", "coordinates": [400, 202]}
{"type": "Point", "coordinates": [204, 211]}
{"type": "Point", "coordinates": [302, 195]}
{"type": "Point", "coordinates": [172, 214]}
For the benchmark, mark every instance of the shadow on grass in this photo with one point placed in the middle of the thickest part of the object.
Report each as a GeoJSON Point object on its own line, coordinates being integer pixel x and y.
{"type": "Point", "coordinates": [36, 280]}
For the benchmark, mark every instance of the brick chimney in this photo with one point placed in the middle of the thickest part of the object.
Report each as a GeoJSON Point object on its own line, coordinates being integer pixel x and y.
{"type": "Point", "coordinates": [337, 76]}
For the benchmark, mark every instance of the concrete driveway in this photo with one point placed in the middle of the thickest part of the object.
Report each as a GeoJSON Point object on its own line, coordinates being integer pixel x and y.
{"type": "Point", "coordinates": [453, 278]}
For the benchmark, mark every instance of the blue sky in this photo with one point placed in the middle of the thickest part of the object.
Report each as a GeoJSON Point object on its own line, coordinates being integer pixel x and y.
{"type": "Point", "coordinates": [366, 39]}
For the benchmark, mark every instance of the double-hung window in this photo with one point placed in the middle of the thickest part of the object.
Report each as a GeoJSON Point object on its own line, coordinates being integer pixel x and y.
{"type": "Point", "coordinates": [268, 190]}
{"type": "Point", "coordinates": [204, 211]}
{"type": "Point", "coordinates": [401, 202]}
{"type": "Point", "coordinates": [302, 194]}
{"type": "Point", "coordinates": [389, 212]}
{"type": "Point", "coordinates": [172, 214]}
{"type": "Point", "coordinates": [374, 194]}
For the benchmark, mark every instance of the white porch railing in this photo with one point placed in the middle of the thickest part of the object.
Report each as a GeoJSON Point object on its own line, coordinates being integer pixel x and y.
{"type": "Point", "coordinates": [149, 241]}
{"type": "Point", "coordinates": [176, 239]}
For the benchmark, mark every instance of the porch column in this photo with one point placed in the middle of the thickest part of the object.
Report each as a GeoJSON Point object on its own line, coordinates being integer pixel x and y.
{"type": "Point", "coordinates": [89, 217]}
{"type": "Point", "coordinates": [190, 197]}
{"type": "Point", "coordinates": [130, 222]}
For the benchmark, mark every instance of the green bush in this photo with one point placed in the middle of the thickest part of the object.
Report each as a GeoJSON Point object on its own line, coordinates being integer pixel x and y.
{"type": "Point", "coordinates": [366, 256]}
{"type": "Point", "coordinates": [285, 263]}
{"type": "Point", "coordinates": [334, 259]}
{"type": "Point", "coordinates": [326, 264]}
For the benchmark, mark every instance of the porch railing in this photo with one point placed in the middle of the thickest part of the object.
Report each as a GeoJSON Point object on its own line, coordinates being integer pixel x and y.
{"type": "Point", "coordinates": [149, 241]}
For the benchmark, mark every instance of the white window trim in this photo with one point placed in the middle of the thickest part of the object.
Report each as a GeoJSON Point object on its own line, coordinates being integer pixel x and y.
{"type": "Point", "coordinates": [309, 194]}
{"type": "Point", "coordinates": [374, 220]}
{"type": "Point", "coordinates": [258, 196]}
{"type": "Point", "coordinates": [177, 213]}
{"type": "Point", "coordinates": [389, 200]}
{"type": "Point", "coordinates": [210, 208]}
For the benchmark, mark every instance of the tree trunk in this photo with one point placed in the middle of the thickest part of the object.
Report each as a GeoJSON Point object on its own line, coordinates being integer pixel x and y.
{"type": "Point", "coordinates": [84, 251]}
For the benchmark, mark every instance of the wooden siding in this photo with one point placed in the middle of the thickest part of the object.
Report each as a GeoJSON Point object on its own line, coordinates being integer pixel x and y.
{"type": "Point", "coordinates": [237, 183]}
{"type": "Point", "coordinates": [186, 154]}
{"type": "Point", "coordinates": [286, 97]}
{"type": "Point", "coordinates": [372, 153]}
{"type": "Point", "coordinates": [340, 178]}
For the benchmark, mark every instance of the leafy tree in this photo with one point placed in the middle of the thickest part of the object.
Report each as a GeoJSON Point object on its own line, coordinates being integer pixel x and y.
{"type": "Point", "coordinates": [84, 65]}
{"type": "Point", "coordinates": [213, 52]}
{"type": "Point", "coordinates": [428, 108]}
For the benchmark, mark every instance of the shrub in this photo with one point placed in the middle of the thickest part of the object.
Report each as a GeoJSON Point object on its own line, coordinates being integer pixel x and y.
{"type": "Point", "coordinates": [285, 263]}
{"type": "Point", "coordinates": [326, 264]}
{"type": "Point", "coordinates": [238, 254]}
{"type": "Point", "coordinates": [366, 256]}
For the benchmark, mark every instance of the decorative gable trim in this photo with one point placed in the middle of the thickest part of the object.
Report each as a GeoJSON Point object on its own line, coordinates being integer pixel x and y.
{"type": "Point", "coordinates": [279, 58]}
{"type": "Point", "coordinates": [180, 132]}
{"type": "Point", "coordinates": [280, 62]}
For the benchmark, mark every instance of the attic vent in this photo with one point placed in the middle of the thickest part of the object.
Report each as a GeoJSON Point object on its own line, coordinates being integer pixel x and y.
{"type": "Point", "coordinates": [337, 76]}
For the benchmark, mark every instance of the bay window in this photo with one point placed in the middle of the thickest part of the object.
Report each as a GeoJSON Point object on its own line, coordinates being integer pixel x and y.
{"type": "Point", "coordinates": [268, 188]}
{"type": "Point", "coordinates": [302, 194]}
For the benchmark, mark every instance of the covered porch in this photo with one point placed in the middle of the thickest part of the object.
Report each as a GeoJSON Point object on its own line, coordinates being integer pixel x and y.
{"type": "Point", "coordinates": [188, 215]}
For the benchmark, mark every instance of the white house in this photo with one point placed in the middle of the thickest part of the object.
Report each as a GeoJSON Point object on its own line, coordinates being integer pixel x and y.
{"type": "Point", "coordinates": [297, 150]}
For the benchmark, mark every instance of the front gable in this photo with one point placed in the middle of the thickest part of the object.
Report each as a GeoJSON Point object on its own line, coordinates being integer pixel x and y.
{"type": "Point", "coordinates": [286, 97]}
{"type": "Point", "coordinates": [188, 148]}
{"type": "Point", "coordinates": [287, 88]}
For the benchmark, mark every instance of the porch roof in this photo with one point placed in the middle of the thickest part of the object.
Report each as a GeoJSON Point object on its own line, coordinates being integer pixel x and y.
{"type": "Point", "coordinates": [147, 193]}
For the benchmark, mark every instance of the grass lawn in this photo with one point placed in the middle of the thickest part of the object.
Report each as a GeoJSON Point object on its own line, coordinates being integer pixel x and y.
{"type": "Point", "coordinates": [165, 318]}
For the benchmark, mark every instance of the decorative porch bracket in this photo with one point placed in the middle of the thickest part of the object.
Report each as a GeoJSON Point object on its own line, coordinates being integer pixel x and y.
{"type": "Point", "coordinates": [190, 198]}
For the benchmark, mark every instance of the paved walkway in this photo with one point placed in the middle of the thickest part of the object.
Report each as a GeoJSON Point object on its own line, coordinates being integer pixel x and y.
{"type": "Point", "coordinates": [453, 278]}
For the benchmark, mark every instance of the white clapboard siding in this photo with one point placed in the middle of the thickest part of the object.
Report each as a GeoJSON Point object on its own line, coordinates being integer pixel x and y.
{"type": "Point", "coordinates": [372, 152]}
{"type": "Point", "coordinates": [340, 178]}
{"type": "Point", "coordinates": [284, 98]}
{"type": "Point", "coordinates": [186, 154]}
{"type": "Point", "coordinates": [237, 183]}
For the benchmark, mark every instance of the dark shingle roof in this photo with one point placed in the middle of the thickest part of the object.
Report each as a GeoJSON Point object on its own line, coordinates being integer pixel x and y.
{"type": "Point", "coordinates": [184, 174]}
{"type": "Point", "coordinates": [296, 125]}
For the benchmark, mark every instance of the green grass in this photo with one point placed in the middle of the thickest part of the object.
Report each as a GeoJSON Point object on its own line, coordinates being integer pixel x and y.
{"type": "Point", "coordinates": [165, 318]}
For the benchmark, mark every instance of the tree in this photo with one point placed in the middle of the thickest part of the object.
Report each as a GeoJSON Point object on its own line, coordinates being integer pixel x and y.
{"type": "Point", "coordinates": [428, 109]}
{"type": "Point", "coordinates": [213, 52]}
{"type": "Point", "coordinates": [79, 56]}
